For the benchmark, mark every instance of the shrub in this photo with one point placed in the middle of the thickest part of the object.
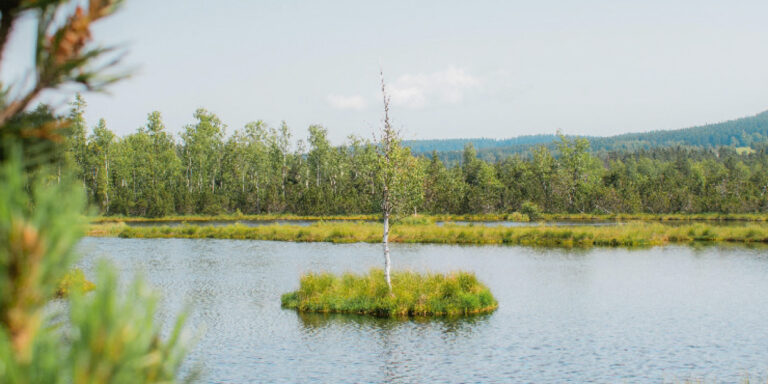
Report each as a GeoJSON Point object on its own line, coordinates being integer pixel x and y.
{"type": "Point", "coordinates": [531, 210]}
{"type": "Point", "coordinates": [108, 337]}
{"type": "Point", "coordinates": [518, 217]}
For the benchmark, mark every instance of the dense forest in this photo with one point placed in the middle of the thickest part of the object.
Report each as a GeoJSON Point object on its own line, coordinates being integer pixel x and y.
{"type": "Point", "coordinates": [747, 132]}
{"type": "Point", "coordinates": [258, 169]}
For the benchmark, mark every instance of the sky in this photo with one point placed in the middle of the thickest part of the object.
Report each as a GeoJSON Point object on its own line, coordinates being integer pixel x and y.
{"type": "Point", "coordinates": [454, 69]}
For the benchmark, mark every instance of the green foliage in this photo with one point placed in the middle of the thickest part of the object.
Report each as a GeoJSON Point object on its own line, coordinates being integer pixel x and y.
{"type": "Point", "coordinates": [39, 226]}
{"type": "Point", "coordinates": [117, 339]}
{"type": "Point", "coordinates": [110, 338]}
{"type": "Point", "coordinates": [413, 294]}
{"type": "Point", "coordinates": [145, 172]}
{"type": "Point", "coordinates": [202, 158]}
{"type": "Point", "coordinates": [44, 162]}
{"type": "Point", "coordinates": [482, 185]}
{"type": "Point", "coordinates": [151, 174]}
{"type": "Point", "coordinates": [531, 210]}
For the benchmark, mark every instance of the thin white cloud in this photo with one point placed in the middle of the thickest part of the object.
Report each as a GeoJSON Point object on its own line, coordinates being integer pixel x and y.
{"type": "Point", "coordinates": [442, 87]}
{"type": "Point", "coordinates": [355, 102]}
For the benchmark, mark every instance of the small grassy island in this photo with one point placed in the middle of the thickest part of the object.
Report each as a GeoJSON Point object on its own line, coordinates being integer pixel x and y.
{"type": "Point", "coordinates": [413, 294]}
{"type": "Point", "coordinates": [74, 279]}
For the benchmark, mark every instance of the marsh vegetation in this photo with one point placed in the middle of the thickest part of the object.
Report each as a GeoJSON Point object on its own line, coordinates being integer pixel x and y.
{"type": "Point", "coordinates": [633, 234]}
{"type": "Point", "coordinates": [74, 280]}
{"type": "Point", "coordinates": [412, 294]}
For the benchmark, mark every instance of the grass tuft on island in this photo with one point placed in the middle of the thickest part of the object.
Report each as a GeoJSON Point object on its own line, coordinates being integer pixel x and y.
{"type": "Point", "coordinates": [413, 294]}
{"type": "Point", "coordinates": [74, 280]}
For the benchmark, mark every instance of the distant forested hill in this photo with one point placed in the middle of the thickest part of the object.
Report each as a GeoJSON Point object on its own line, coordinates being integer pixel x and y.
{"type": "Point", "coordinates": [749, 131]}
{"type": "Point", "coordinates": [447, 145]}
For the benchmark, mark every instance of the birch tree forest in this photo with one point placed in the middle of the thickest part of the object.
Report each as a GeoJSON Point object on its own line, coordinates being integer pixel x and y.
{"type": "Point", "coordinates": [209, 168]}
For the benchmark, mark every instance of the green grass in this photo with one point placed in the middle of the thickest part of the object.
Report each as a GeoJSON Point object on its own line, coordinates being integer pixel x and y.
{"type": "Point", "coordinates": [430, 219]}
{"type": "Point", "coordinates": [635, 234]}
{"type": "Point", "coordinates": [677, 217]}
{"type": "Point", "coordinates": [230, 217]}
{"type": "Point", "coordinates": [413, 294]}
{"type": "Point", "coordinates": [74, 279]}
{"type": "Point", "coordinates": [422, 219]}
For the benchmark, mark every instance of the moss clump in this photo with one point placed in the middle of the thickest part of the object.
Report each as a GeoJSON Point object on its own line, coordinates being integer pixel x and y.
{"type": "Point", "coordinates": [74, 279]}
{"type": "Point", "coordinates": [413, 294]}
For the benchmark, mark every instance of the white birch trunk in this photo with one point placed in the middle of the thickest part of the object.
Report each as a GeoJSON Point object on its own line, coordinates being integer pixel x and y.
{"type": "Point", "coordinates": [106, 185]}
{"type": "Point", "coordinates": [387, 261]}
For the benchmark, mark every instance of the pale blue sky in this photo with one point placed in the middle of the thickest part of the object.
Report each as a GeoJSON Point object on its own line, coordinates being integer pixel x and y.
{"type": "Point", "coordinates": [456, 68]}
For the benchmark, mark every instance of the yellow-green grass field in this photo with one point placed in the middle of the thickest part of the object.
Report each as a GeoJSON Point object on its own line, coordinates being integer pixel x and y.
{"type": "Point", "coordinates": [427, 218]}
{"type": "Point", "coordinates": [627, 234]}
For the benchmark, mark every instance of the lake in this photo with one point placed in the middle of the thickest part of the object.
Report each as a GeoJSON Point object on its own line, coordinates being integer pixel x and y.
{"type": "Point", "coordinates": [599, 315]}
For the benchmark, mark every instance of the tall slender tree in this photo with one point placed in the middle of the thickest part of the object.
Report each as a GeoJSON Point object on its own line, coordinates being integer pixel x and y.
{"type": "Point", "coordinates": [388, 141]}
{"type": "Point", "coordinates": [393, 162]}
{"type": "Point", "coordinates": [100, 148]}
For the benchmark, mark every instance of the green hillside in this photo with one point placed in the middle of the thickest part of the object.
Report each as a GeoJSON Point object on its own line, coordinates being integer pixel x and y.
{"type": "Point", "coordinates": [746, 132]}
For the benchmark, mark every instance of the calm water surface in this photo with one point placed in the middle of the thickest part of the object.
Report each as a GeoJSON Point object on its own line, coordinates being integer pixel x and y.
{"type": "Point", "coordinates": [602, 315]}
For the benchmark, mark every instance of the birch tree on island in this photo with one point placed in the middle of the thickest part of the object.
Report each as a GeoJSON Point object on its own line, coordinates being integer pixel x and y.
{"type": "Point", "coordinates": [398, 172]}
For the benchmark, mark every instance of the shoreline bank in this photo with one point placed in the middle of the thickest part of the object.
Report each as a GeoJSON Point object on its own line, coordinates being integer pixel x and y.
{"type": "Point", "coordinates": [635, 234]}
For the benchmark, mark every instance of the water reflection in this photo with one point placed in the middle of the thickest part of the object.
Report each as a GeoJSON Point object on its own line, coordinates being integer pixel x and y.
{"type": "Point", "coordinates": [463, 325]}
{"type": "Point", "coordinates": [391, 340]}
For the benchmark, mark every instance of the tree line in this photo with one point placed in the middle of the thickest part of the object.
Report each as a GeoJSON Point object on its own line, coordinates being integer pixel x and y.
{"type": "Point", "coordinates": [259, 169]}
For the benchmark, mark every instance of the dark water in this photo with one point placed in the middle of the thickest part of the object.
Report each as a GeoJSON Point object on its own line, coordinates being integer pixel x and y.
{"type": "Point", "coordinates": [604, 315]}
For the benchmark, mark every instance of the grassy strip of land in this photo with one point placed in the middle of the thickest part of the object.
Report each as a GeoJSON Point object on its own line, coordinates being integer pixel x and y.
{"type": "Point", "coordinates": [745, 217]}
{"type": "Point", "coordinates": [231, 217]}
{"type": "Point", "coordinates": [628, 235]}
{"type": "Point", "coordinates": [589, 217]}
{"type": "Point", "coordinates": [413, 294]}
{"type": "Point", "coordinates": [428, 219]}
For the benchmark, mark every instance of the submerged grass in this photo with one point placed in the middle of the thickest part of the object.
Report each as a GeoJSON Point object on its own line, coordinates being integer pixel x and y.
{"type": "Point", "coordinates": [635, 234]}
{"type": "Point", "coordinates": [413, 294]}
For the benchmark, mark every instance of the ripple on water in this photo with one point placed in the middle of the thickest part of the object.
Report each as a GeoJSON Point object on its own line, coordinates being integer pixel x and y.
{"type": "Point", "coordinates": [601, 315]}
